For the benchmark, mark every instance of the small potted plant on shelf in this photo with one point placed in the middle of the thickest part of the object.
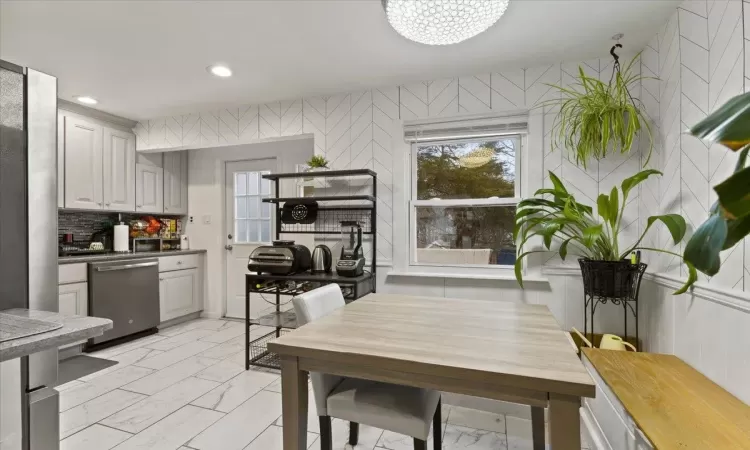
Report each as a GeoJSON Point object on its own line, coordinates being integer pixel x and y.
{"type": "Point", "coordinates": [317, 163]}
{"type": "Point", "coordinates": [729, 219]}
{"type": "Point", "coordinates": [597, 118]}
{"type": "Point", "coordinates": [574, 229]}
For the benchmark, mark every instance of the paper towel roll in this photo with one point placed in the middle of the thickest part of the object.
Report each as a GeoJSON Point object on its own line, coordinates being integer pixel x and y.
{"type": "Point", "coordinates": [121, 237]}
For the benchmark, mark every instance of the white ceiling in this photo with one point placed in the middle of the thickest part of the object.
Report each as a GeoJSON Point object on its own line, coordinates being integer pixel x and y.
{"type": "Point", "coordinates": [145, 59]}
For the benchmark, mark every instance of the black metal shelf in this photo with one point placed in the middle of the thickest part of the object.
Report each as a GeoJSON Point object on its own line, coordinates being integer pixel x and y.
{"type": "Point", "coordinates": [283, 319]}
{"type": "Point", "coordinates": [332, 198]}
{"type": "Point", "coordinates": [320, 174]}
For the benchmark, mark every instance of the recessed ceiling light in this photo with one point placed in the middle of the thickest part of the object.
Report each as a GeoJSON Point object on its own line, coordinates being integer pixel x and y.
{"type": "Point", "coordinates": [220, 71]}
{"type": "Point", "coordinates": [85, 99]}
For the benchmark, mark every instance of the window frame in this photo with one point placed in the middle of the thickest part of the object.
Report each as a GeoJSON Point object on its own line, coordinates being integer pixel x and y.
{"type": "Point", "coordinates": [260, 220]}
{"type": "Point", "coordinates": [413, 202]}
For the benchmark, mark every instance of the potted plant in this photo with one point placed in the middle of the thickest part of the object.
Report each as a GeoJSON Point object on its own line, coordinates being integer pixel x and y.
{"type": "Point", "coordinates": [575, 230]}
{"type": "Point", "coordinates": [729, 221]}
{"type": "Point", "coordinates": [317, 163]}
{"type": "Point", "coordinates": [598, 118]}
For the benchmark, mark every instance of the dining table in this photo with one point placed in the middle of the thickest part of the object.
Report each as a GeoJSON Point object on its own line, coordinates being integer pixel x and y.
{"type": "Point", "coordinates": [495, 349]}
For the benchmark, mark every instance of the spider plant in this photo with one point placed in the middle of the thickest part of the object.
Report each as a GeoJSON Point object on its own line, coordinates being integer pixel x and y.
{"type": "Point", "coordinates": [729, 221]}
{"type": "Point", "coordinates": [597, 118]}
{"type": "Point", "coordinates": [576, 230]}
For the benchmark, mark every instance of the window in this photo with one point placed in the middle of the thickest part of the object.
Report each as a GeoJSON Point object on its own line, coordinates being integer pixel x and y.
{"type": "Point", "coordinates": [252, 217]}
{"type": "Point", "coordinates": [463, 202]}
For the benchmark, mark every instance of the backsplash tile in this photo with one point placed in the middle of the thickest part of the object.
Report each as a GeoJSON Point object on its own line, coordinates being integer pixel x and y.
{"type": "Point", "coordinates": [85, 223]}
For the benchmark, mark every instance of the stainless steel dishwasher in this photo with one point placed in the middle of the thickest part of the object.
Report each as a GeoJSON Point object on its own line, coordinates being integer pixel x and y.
{"type": "Point", "coordinates": [127, 292]}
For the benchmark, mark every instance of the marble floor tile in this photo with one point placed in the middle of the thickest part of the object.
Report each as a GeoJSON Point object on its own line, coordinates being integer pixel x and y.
{"type": "Point", "coordinates": [80, 417]}
{"type": "Point", "coordinates": [68, 385]}
{"type": "Point", "coordinates": [275, 386]}
{"type": "Point", "coordinates": [368, 436]}
{"type": "Point", "coordinates": [226, 349]}
{"type": "Point", "coordinates": [241, 426]}
{"type": "Point", "coordinates": [95, 437]}
{"type": "Point", "coordinates": [313, 420]}
{"type": "Point", "coordinates": [257, 331]}
{"type": "Point", "coordinates": [394, 441]}
{"type": "Point", "coordinates": [460, 438]}
{"type": "Point", "coordinates": [221, 371]}
{"type": "Point", "coordinates": [181, 339]}
{"type": "Point", "coordinates": [145, 413]}
{"type": "Point", "coordinates": [164, 378]}
{"type": "Point", "coordinates": [132, 345]}
{"type": "Point", "coordinates": [272, 439]}
{"type": "Point", "coordinates": [236, 391]}
{"type": "Point", "coordinates": [225, 335]}
{"type": "Point", "coordinates": [176, 355]}
{"type": "Point", "coordinates": [70, 398]}
{"type": "Point", "coordinates": [174, 431]}
{"type": "Point", "coordinates": [124, 359]}
{"type": "Point", "coordinates": [473, 418]}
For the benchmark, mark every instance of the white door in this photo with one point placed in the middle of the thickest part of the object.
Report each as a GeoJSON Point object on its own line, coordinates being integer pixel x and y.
{"type": "Point", "coordinates": [178, 292]}
{"type": "Point", "coordinates": [175, 182]}
{"type": "Point", "coordinates": [248, 225]}
{"type": "Point", "coordinates": [149, 188]}
{"type": "Point", "coordinates": [83, 164]}
{"type": "Point", "coordinates": [119, 170]}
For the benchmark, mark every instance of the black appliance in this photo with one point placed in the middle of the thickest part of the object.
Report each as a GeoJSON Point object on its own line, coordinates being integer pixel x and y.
{"type": "Point", "coordinates": [299, 211]}
{"type": "Point", "coordinates": [321, 259]}
{"type": "Point", "coordinates": [352, 260]}
{"type": "Point", "coordinates": [281, 258]}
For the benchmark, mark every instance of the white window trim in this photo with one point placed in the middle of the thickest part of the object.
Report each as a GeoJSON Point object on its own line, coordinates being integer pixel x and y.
{"type": "Point", "coordinates": [531, 176]}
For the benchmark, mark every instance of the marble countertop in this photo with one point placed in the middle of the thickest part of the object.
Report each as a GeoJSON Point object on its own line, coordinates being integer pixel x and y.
{"type": "Point", "coordinates": [75, 328]}
{"type": "Point", "coordinates": [118, 256]}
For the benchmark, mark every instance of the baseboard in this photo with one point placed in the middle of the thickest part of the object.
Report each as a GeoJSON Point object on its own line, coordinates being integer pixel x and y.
{"type": "Point", "coordinates": [210, 315]}
{"type": "Point", "coordinates": [179, 320]}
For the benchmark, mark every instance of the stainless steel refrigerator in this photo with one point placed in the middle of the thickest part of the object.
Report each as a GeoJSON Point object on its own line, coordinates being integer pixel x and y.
{"type": "Point", "coordinates": [28, 237]}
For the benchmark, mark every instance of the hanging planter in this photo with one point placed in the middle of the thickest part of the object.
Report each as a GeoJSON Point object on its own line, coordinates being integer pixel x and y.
{"type": "Point", "coordinates": [598, 118]}
{"type": "Point", "coordinates": [611, 279]}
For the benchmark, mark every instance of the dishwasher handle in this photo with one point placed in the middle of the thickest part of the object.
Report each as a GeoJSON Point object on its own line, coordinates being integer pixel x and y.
{"type": "Point", "coordinates": [127, 266]}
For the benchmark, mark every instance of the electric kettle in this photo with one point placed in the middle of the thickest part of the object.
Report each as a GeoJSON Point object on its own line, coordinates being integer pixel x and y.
{"type": "Point", "coordinates": [322, 259]}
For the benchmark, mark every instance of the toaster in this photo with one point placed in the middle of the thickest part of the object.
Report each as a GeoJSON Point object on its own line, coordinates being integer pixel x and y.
{"type": "Point", "coordinates": [281, 258]}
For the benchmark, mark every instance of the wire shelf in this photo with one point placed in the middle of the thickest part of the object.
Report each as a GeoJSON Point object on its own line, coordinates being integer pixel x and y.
{"type": "Point", "coordinates": [329, 221]}
{"type": "Point", "coordinates": [259, 354]}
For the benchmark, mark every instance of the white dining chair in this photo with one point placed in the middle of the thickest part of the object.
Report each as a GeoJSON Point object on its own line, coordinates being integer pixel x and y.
{"type": "Point", "coordinates": [401, 409]}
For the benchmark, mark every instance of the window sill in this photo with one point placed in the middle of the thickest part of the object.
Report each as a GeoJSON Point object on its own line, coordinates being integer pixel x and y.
{"type": "Point", "coordinates": [526, 279]}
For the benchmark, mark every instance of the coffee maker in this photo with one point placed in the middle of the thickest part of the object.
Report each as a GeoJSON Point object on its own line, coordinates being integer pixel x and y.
{"type": "Point", "coordinates": [352, 259]}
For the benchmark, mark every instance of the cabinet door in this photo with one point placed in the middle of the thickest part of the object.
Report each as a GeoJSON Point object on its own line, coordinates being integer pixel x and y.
{"type": "Point", "coordinates": [178, 293]}
{"type": "Point", "coordinates": [175, 182]}
{"type": "Point", "coordinates": [149, 188]}
{"type": "Point", "coordinates": [83, 164]}
{"type": "Point", "coordinates": [73, 299]}
{"type": "Point", "coordinates": [119, 170]}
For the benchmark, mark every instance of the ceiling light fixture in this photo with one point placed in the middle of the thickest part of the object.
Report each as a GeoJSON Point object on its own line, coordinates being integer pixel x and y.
{"type": "Point", "coordinates": [86, 100]}
{"type": "Point", "coordinates": [442, 22]}
{"type": "Point", "coordinates": [220, 71]}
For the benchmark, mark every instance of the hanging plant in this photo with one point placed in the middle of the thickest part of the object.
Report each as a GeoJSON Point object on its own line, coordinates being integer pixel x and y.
{"type": "Point", "coordinates": [598, 118]}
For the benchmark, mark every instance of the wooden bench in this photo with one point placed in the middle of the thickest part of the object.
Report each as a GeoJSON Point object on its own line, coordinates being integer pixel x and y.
{"type": "Point", "coordinates": [662, 402]}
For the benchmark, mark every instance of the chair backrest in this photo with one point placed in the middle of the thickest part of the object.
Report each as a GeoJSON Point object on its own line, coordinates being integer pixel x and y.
{"type": "Point", "coordinates": [310, 306]}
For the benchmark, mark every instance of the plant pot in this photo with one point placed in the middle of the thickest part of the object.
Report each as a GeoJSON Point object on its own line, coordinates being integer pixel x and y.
{"type": "Point", "coordinates": [611, 279]}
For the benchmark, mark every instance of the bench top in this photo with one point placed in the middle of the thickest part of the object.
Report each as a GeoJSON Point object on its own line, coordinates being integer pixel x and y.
{"type": "Point", "coordinates": [674, 405]}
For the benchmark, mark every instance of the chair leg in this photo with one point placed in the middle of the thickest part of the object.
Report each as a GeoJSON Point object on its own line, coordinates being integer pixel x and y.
{"type": "Point", "coordinates": [326, 441]}
{"type": "Point", "coordinates": [537, 427]}
{"type": "Point", "coordinates": [353, 433]}
{"type": "Point", "coordinates": [437, 427]}
{"type": "Point", "coordinates": [419, 444]}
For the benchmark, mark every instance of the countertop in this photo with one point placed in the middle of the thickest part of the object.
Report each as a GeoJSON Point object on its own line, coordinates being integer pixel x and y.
{"type": "Point", "coordinates": [75, 328]}
{"type": "Point", "coordinates": [118, 256]}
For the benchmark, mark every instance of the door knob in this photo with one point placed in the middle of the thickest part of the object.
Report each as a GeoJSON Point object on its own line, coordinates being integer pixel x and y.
{"type": "Point", "coordinates": [228, 247]}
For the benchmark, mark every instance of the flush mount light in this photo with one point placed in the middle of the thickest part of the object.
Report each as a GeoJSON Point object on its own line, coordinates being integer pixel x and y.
{"type": "Point", "coordinates": [442, 22]}
{"type": "Point", "coordinates": [220, 71]}
{"type": "Point", "coordinates": [85, 99]}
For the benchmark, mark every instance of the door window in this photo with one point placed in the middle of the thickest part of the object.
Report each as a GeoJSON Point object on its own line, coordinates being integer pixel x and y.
{"type": "Point", "coordinates": [252, 217]}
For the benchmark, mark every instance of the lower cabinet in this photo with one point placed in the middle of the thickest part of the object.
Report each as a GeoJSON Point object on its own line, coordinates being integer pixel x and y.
{"type": "Point", "coordinates": [179, 293]}
{"type": "Point", "coordinates": [73, 299]}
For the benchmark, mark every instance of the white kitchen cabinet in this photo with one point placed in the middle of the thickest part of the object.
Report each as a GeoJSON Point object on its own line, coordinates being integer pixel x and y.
{"type": "Point", "coordinates": [149, 188]}
{"type": "Point", "coordinates": [119, 170]}
{"type": "Point", "coordinates": [60, 160]}
{"type": "Point", "coordinates": [179, 293]}
{"type": "Point", "coordinates": [83, 164]}
{"type": "Point", "coordinates": [73, 299]}
{"type": "Point", "coordinates": [175, 182]}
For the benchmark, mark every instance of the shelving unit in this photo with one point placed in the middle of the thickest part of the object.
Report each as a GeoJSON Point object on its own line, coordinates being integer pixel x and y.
{"type": "Point", "coordinates": [330, 214]}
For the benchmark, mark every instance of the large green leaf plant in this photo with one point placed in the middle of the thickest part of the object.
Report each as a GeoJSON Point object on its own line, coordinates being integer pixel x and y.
{"type": "Point", "coordinates": [729, 221]}
{"type": "Point", "coordinates": [558, 218]}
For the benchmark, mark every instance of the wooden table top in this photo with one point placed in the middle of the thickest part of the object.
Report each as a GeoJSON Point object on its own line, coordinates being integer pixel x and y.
{"type": "Point", "coordinates": [495, 342]}
{"type": "Point", "coordinates": [673, 404]}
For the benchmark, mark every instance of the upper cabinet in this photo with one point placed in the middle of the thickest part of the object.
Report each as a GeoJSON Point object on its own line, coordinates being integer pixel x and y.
{"type": "Point", "coordinates": [175, 182]}
{"type": "Point", "coordinates": [149, 188]}
{"type": "Point", "coordinates": [83, 164]}
{"type": "Point", "coordinates": [119, 170]}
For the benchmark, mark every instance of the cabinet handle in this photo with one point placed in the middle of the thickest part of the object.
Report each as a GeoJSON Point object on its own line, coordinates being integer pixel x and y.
{"type": "Point", "coordinates": [139, 206]}
{"type": "Point", "coordinates": [108, 204]}
{"type": "Point", "coordinates": [179, 263]}
{"type": "Point", "coordinates": [166, 209]}
{"type": "Point", "coordinates": [161, 279]}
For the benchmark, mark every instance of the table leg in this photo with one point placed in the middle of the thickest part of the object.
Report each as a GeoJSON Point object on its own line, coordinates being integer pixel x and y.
{"type": "Point", "coordinates": [564, 422]}
{"type": "Point", "coordinates": [294, 404]}
{"type": "Point", "coordinates": [537, 427]}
